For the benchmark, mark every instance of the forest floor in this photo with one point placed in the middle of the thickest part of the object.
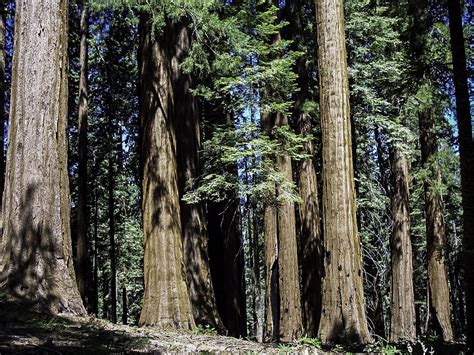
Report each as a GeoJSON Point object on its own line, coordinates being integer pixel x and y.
{"type": "Point", "coordinates": [27, 332]}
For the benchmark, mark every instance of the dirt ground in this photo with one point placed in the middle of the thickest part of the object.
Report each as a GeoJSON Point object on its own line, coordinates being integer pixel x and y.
{"type": "Point", "coordinates": [26, 332]}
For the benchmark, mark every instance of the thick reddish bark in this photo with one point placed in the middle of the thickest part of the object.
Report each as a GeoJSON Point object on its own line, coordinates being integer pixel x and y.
{"type": "Point", "coordinates": [35, 258]}
{"type": "Point", "coordinates": [194, 229]}
{"type": "Point", "coordinates": [343, 312]}
{"type": "Point", "coordinates": [435, 230]}
{"type": "Point", "coordinates": [166, 300]}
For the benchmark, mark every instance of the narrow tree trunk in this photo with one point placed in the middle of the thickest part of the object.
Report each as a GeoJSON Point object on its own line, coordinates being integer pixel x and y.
{"type": "Point", "coordinates": [194, 229]}
{"type": "Point", "coordinates": [284, 252]}
{"type": "Point", "coordinates": [381, 162]}
{"type": "Point", "coordinates": [282, 297]}
{"type": "Point", "coordinates": [166, 299]}
{"type": "Point", "coordinates": [105, 296]}
{"type": "Point", "coordinates": [402, 303]}
{"type": "Point", "coordinates": [256, 275]}
{"type": "Point", "coordinates": [343, 312]}
{"type": "Point", "coordinates": [466, 152]}
{"type": "Point", "coordinates": [270, 230]}
{"type": "Point", "coordinates": [291, 325]}
{"type": "Point", "coordinates": [435, 231]}
{"type": "Point", "coordinates": [124, 306]}
{"type": "Point", "coordinates": [112, 250]}
{"type": "Point", "coordinates": [272, 301]}
{"type": "Point", "coordinates": [111, 211]}
{"type": "Point", "coordinates": [82, 209]}
{"type": "Point", "coordinates": [36, 265]}
{"type": "Point", "coordinates": [95, 277]}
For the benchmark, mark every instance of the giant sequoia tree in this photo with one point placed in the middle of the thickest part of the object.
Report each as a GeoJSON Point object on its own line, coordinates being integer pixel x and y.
{"type": "Point", "coordinates": [282, 302]}
{"type": "Point", "coordinates": [166, 301]}
{"type": "Point", "coordinates": [343, 313]}
{"type": "Point", "coordinates": [298, 15]}
{"type": "Point", "coordinates": [36, 261]}
{"type": "Point", "coordinates": [194, 230]}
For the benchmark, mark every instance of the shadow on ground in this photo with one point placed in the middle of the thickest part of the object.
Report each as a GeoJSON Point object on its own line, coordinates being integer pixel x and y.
{"type": "Point", "coordinates": [27, 332]}
{"type": "Point", "coordinates": [23, 331]}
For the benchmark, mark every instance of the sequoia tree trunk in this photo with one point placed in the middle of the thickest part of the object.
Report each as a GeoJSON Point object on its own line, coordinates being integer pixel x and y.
{"type": "Point", "coordinates": [309, 210]}
{"type": "Point", "coordinates": [271, 324]}
{"type": "Point", "coordinates": [435, 231]}
{"type": "Point", "coordinates": [194, 229]}
{"type": "Point", "coordinates": [311, 241]}
{"type": "Point", "coordinates": [466, 153]}
{"type": "Point", "coordinates": [291, 325]}
{"type": "Point", "coordinates": [166, 298]}
{"type": "Point", "coordinates": [82, 209]}
{"type": "Point", "coordinates": [402, 302]}
{"type": "Point", "coordinates": [36, 265]}
{"type": "Point", "coordinates": [282, 297]}
{"type": "Point", "coordinates": [343, 312]}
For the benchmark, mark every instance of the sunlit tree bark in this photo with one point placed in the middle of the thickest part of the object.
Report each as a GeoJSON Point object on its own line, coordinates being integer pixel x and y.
{"type": "Point", "coordinates": [343, 312]}
{"type": "Point", "coordinates": [166, 300]}
{"type": "Point", "coordinates": [36, 262]}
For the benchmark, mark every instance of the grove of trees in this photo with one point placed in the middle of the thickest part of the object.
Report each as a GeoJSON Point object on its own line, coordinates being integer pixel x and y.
{"type": "Point", "coordinates": [275, 170]}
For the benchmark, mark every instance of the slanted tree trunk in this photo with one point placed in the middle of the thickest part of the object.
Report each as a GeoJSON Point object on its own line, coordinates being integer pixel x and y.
{"type": "Point", "coordinates": [166, 299]}
{"type": "Point", "coordinates": [343, 312]}
{"type": "Point", "coordinates": [82, 209]}
{"type": "Point", "coordinates": [466, 153]}
{"type": "Point", "coordinates": [435, 231]}
{"type": "Point", "coordinates": [402, 302]}
{"type": "Point", "coordinates": [194, 229]}
{"type": "Point", "coordinates": [36, 265]}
